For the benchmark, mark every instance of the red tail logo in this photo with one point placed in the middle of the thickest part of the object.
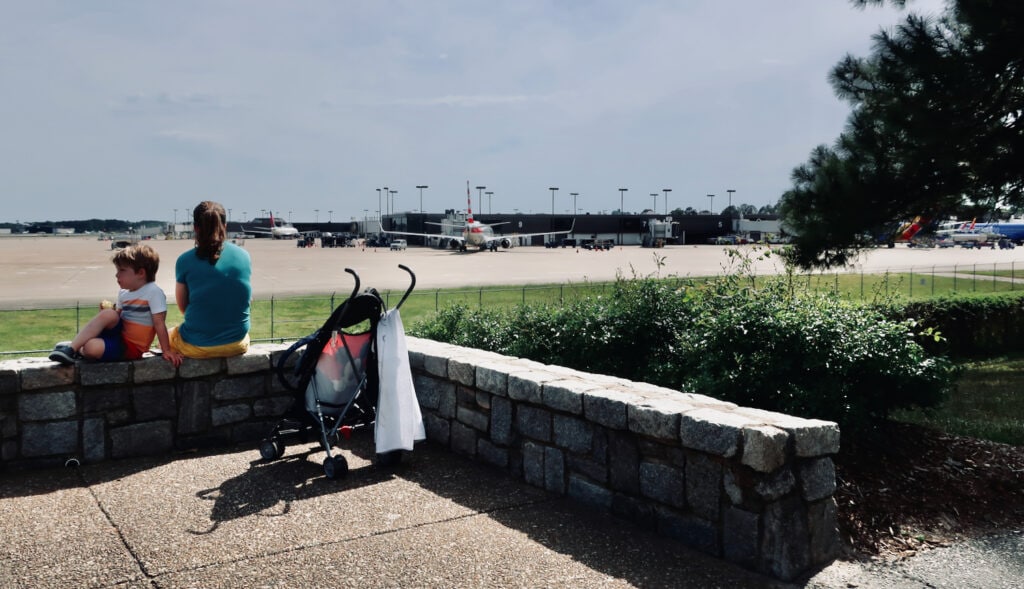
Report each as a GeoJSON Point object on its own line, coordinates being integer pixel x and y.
{"type": "Point", "coordinates": [469, 205]}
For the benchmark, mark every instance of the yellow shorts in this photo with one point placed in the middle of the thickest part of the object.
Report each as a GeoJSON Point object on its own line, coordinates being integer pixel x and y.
{"type": "Point", "coordinates": [222, 351]}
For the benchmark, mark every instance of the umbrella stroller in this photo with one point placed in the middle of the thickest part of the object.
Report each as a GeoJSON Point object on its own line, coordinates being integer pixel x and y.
{"type": "Point", "coordinates": [337, 382]}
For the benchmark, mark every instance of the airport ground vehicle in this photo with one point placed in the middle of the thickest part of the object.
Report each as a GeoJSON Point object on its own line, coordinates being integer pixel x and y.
{"type": "Point", "coordinates": [399, 244]}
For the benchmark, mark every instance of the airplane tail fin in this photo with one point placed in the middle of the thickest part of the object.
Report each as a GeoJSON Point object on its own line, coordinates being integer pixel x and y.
{"type": "Point", "coordinates": [469, 205]}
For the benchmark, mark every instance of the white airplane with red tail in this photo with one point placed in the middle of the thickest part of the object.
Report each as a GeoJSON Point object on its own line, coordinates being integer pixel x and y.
{"type": "Point", "coordinates": [477, 234]}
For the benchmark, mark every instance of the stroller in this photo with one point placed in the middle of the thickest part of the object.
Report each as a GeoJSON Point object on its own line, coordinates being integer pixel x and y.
{"type": "Point", "coordinates": [335, 380]}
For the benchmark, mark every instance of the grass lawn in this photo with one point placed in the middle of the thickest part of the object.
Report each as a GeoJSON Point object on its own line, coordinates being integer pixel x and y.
{"type": "Point", "coordinates": [988, 403]}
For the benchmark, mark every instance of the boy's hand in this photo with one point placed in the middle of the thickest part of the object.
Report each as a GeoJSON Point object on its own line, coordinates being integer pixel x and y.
{"type": "Point", "coordinates": [173, 357]}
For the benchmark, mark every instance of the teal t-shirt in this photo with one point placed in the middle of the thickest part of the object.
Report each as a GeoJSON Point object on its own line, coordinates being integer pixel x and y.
{"type": "Point", "coordinates": [218, 296]}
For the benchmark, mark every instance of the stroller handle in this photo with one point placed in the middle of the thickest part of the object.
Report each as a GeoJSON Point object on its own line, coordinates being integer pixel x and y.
{"type": "Point", "coordinates": [412, 285]}
{"type": "Point", "coordinates": [355, 289]}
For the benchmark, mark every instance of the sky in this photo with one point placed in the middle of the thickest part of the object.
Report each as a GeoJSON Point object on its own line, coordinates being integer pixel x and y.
{"type": "Point", "coordinates": [140, 110]}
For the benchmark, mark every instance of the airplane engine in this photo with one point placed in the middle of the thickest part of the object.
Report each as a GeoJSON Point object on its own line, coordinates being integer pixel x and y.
{"type": "Point", "coordinates": [506, 242]}
{"type": "Point", "coordinates": [454, 244]}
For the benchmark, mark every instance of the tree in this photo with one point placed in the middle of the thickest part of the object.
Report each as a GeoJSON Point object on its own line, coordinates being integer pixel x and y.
{"type": "Point", "coordinates": [935, 127]}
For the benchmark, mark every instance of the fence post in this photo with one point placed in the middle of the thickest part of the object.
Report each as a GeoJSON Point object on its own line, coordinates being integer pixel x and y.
{"type": "Point", "coordinates": [974, 279]}
{"type": "Point", "coordinates": [993, 277]}
{"type": "Point", "coordinates": [271, 317]}
{"type": "Point", "coordinates": [480, 298]}
{"type": "Point", "coordinates": [911, 282]}
{"type": "Point", "coordinates": [954, 277]}
{"type": "Point", "coordinates": [78, 316]}
{"type": "Point", "coordinates": [933, 280]}
{"type": "Point", "coordinates": [1013, 276]}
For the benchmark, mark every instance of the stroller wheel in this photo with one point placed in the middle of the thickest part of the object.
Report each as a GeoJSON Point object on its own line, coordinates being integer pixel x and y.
{"type": "Point", "coordinates": [335, 466]}
{"type": "Point", "coordinates": [389, 458]}
{"type": "Point", "coordinates": [271, 449]}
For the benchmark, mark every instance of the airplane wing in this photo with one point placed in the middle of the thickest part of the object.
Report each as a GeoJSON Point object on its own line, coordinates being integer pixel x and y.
{"type": "Point", "coordinates": [560, 232]}
{"type": "Point", "coordinates": [259, 230]}
{"type": "Point", "coordinates": [456, 238]}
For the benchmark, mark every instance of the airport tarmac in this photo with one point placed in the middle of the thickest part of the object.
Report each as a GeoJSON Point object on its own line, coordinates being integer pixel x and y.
{"type": "Point", "coordinates": [45, 271]}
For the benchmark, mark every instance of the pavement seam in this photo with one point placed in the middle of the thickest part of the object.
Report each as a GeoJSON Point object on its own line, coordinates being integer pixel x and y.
{"type": "Point", "coordinates": [120, 534]}
{"type": "Point", "coordinates": [350, 539]}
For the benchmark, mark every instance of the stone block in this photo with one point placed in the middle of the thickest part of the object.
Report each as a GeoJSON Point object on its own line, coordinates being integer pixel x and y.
{"type": "Point", "coordinates": [554, 470]}
{"type": "Point", "coordinates": [153, 370]}
{"type": "Point", "coordinates": [527, 385]}
{"type": "Point", "coordinates": [589, 493]}
{"type": "Point", "coordinates": [764, 447]}
{"type": "Point", "coordinates": [817, 478]}
{"type": "Point", "coordinates": [230, 414]}
{"type": "Point", "coordinates": [609, 407]}
{"type": "Point", "coordinates": [463, 439]}
{"type": "Point", "coordinates": [712, 431]}
{"type": "Point", "coordinates": [47, 439]}
{"type": "Point", "coordinates": [477, 420]}
{"type": "Point", "coordinates": [811, 437]}
{"type": "Point", "coordinates": [501, 421]}
{"type": "Point", "coordinates": [239, 387]}
{"type": "Point", "coordinates": [740, 531]}
{"type": "Point", "coordinates": [823, 528]}
{"type": "Point", "coordinates": [44, 375]}
{"type": "Point", "coordinates": [785, 540]}
{"type": "Point", "coordinates": [47, 406]}
{"type": "Point", "coordinates": [154, 401]}
{"type": "Point", "coordinates": [492, 380]}
{"type": "Point", "coordinates": [9, 382]}
{"type": "Point", "coordinates": [534, 423]}
{"type": "Point", "coordinates": [437, 429]}
{"type": "Point", "coordinates": [695, 532]}
{"type": "Point", "coordinates": [623, 463]}
{"type": "Point", "coordinates": [462, 372]}
{"type": "Point", "coordinates": [436, 365]}
{"type": "Point", "coordinates": [447, 402]}
{"type": "Point", "coordinates": [491, 454]}
{"type": "Point", "coordinates": [575, 435]}
{"type": "Point", "coordinates": [566, 395]}
{"type": "Point", "coordinates": [587, 467]}
{"type": "Point", "coordinates": [533, 464]}
{"type": "Point", "coordinates": [141, 439]}
{"type": "Point", "coordinates": [429, 390]}
{"type": "Point", "coordinates": [663, 483]}
{"type": "Point", "coordinates": [102, 400]}
{"type": "Point", "coordinates": [8, 425]}
{"type": "Point", "coordinates": [272, 406]}
{"type": "Point", "coordinates": [657, 418]}
{"type": "Point", "coordinates": [257, 359]}
{"type": "Point", "coordinates": [194, 408]}
{"type": "Point", "coordinates": [192, 368]}
{"type": "Point", "coordinates": [104, 373]}
{"type": "Point", "coordinates": [483, 400]}
{"type": "Point", "coordinates": [636, 511]}
{"type": "Point", "coordinates": [94, 440]}
{"type": "Point", "coordinates": [775, 485]}
{"type": "Point", "coordinates": [704, 486]}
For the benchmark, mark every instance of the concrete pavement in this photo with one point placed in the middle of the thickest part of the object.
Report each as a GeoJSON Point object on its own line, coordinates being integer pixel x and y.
{"type": "Point", "coordinates": [437, 520]}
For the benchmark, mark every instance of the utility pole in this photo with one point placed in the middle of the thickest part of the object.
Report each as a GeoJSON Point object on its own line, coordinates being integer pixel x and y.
{"type": "Point", "coordinates": [421, 187]}
{"type": "Point", "coordinates": [666, 191]}
{"type": "Point", "coordinates": [553, 189]}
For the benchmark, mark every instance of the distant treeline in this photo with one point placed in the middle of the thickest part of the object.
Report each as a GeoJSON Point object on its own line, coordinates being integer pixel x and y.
{"type": "Point", "coordinates": [88, 225]}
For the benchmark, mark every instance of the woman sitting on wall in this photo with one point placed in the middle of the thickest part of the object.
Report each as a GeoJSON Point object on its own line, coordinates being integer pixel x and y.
{"type": "Point", "coordinates": [213, 290]}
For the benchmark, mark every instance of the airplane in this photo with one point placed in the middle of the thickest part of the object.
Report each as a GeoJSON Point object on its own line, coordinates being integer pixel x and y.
{"type": "Point", "coordinates": [278, 228]}
{"type": "Point", "coordinates": [477, 234]}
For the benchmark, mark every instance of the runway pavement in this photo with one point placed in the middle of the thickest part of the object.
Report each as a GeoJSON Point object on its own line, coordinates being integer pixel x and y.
{"type": "Point", "coordinates": [53, 270]}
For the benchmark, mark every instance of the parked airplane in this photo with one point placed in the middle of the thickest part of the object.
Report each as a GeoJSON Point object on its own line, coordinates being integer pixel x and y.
{"type": "Point", "coordinates": [276, 228]}
{"type": "Point", "coordinates": [1012, 229]}
{"type": "Point", "coordinates": [477, 234]}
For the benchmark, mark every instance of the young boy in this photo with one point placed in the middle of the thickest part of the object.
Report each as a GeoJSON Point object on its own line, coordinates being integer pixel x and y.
{"type": "Point", "coordinates": [126, 331]}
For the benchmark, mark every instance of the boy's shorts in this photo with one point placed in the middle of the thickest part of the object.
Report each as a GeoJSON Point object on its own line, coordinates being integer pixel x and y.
{"type": "Point", "coordinates": [114, 346]}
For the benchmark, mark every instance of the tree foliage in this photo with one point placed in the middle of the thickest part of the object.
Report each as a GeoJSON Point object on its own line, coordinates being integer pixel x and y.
{"type": "Point", "coordinates": [935, 126]}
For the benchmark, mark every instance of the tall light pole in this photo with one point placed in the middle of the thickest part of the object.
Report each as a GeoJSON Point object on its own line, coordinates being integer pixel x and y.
{"type": "Point", "coordinates": [480, 199]}
{"type": "Point", "coordinates": [574, 209]}
{"type": "Point", "coordinates": [378, 205]}
{"type": "Point", "coordinates": [317, 213]}
{"type": "Point", "coordinates": [175, 217]}
{"type": "Point", "coordinates": [392, 207]}
{"type": "Point", "coordinates": [666, 191]}
{"type": "Point", "coordinates": [553, 189]}
{"type": "Point", "coordinates": [654, 202]}
{"type": "Point", "coordinates": [387, 208]}
{"type": "Point", "coordinates": [330, 217]}
{"type": "Point", "coordinates": [730, 191]}
{"type": "Point", "coordinates": [622, 200]}
{"type": "Point", "coordinates": [711, 207]}
{"type": "Point", "coordinates": [289, 216]}
{"type": "Point", "coordinates": [421, 187]}
{"type": "Point", "coordinates": [489, 194]}
{"type": "Point", "coordinates": [365, 211]}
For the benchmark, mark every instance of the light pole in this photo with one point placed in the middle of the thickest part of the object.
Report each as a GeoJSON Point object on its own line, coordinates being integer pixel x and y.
{"type": "Point", "coordinates": [330, 217]}
{"type": "Point", "coordinates": [711, 207]}
{"type": "Point", "coordinates": [365, 211]}
{"type": "Point", "coordinates": [421, 187]}
{"type": "Point", "coordinates": [574, 209]}
{"type": "Point", "coordinates": [553, 189]}
{"type": "Point", "coordinates": [378, 206]}
{"type": "Point", "coordinates": [489, 194]}
{"type": "Point", "coordinates": [654, 202]}
{"type": "Point", "coordinates": [316, 212]}
{"type": "Point", "coordinates": [730, 191]}
{"type": "Point", "coordinates": [480, 198]}
{"type": "Point", "coordinates": [622, 200]}
{"type": "Point", "coordinates": [392, 207]}
{"type": "Point", "coordinates": [175, 216]}
{"type": "Point", "coordinates": [666, 191]}
{"type": "Point", "coordinates": [387, 210]}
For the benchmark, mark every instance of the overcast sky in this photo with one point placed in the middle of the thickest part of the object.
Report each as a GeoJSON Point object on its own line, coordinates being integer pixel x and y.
{"type": "Point", "coordinates": [126, 109]}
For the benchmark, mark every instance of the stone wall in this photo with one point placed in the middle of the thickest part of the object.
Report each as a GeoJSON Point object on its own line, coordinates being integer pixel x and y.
{"type": "Point", "coordinates": [749, 486]}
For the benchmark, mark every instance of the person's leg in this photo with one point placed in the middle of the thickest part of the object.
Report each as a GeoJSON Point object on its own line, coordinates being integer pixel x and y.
{"type": "Point", "coordinates": [88, 341]}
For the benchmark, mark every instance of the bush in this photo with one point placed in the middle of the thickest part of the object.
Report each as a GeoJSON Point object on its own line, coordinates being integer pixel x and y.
{"type": "Point", "coordinates": [797, 352]}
